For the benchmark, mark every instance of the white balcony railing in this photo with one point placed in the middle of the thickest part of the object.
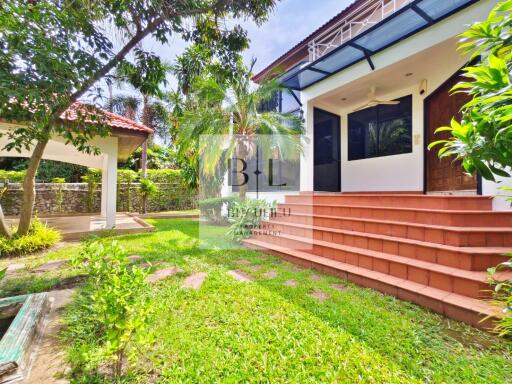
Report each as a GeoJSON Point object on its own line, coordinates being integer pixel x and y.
{"type": "Point", "coordinates": [360, 19]}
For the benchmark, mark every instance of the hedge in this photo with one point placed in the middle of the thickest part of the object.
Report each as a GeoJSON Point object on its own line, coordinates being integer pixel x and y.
{"type": "Point", "coordinates": [12, 176]}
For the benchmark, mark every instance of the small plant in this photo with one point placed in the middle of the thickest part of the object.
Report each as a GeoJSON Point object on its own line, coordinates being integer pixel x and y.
{"type": "Point", "coordinates": [115, 301]}
{"type": "Point", "coordinates": [92, 178]}
{"type": "Point", "coordinates": [126, 177]}
{"type": "Point", "coordinates": [147, 189]}
{"type": "Point", "coordinates": [39, 237]}
{"type": "Point", "coordinates": [502, 296]}
{"type": "Point", "coordinates": [59, 193]}
{"type": "Point", "coordinates": [211, 208]}
{"type": "Point", "coordinates": [247, 215]}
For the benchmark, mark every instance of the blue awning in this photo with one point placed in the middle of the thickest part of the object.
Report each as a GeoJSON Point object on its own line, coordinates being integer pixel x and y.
{"type": "Point", "coordinates": [407, 21]}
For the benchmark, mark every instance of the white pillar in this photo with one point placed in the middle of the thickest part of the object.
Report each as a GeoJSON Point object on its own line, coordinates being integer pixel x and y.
{"type": "Point", "coordinates": [109, 184]}
{"type": "Point", "coordinates": [306, 161]}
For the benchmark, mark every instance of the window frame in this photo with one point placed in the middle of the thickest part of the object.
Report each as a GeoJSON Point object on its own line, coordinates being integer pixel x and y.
{"type": "Point", "coordinates": [354, 157]}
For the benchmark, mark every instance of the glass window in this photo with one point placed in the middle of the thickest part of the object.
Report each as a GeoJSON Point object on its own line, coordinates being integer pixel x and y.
{"type": "Point", "coordinates": [342, 58]}
{"type": "Point", "coordinates": [383, 130]}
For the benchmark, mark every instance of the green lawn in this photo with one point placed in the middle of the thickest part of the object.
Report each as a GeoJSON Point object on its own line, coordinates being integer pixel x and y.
{"type": "Point", "coordinates": [265, 331]}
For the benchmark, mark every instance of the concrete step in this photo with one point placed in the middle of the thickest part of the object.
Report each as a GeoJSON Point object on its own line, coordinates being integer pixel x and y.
{"type": "Point", "coordinates": [457, 218]}
{"type": "Point", "coordinates": [396, 200]}
{"type": "Point", "coordinates": [440, 234]}
{"type": "Point", "coordinates": [467, 258]}
{"type": "Point", "coordinates": [467, 283]}
{"type": "Point", "coordinates": [450, 304]}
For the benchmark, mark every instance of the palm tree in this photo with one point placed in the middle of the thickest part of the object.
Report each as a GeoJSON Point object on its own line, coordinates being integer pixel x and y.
{"type": "Point", "coordinates": [233, 111]}
{"type": "Point", "coordinates": [151, 112]}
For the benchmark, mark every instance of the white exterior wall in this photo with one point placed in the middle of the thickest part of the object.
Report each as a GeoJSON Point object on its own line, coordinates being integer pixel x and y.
{"type": "Point", "coordinates": [402, 172]}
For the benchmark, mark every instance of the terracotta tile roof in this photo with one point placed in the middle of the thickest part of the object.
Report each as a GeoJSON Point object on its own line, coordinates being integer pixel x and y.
{"type": "Point", "coordinates": [113, 120]}
{"type": "Point", "coordinates": [303, 44]}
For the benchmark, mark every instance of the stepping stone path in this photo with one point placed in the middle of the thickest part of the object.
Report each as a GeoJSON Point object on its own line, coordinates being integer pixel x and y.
{"type": "Point", "coordinates": [13, 268]}
{"type": "Point", "coordinates": [53, 265]}
{"type": "Point", "coordinates": [242, 262]}
{"type": "Point", "coordinates": [319, 295]}
{"type": "Point", "coordinates": [145, 265]}
{"type": "Point", "coordinates": [270, 275]}
{"type": "Point", "coordinates": [240, 276]}
{"type": "Point", "coordinates": [134, 258]}
{"type": "Point", "coordinates": [255, 268]}
{"type": "Point", "coordinates": [315, 277]}
{"type": "Point", "coordinates": [194, 281]}
{"type": "Point", "coordinates": [339, 287]}
{"type": "Point", "coordinates": [162, 274]}
{"type": "Point", "coordinates": [291, 283]}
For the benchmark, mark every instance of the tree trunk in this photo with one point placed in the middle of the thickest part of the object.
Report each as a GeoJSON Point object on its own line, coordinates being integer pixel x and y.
{"type": "Point", "coordinates": [242, 191]}
{"type": "Point", "coordinates": [144, 203]}
{"type": "Point", "coordinates": [144, 159]}
{"type": "Point", "coordinates": [29, 192]}
{"type": "Point", "coordinates": [4, 229]}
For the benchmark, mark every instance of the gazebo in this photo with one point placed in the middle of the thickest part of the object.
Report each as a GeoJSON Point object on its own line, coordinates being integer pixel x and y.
{"type": "Point", "coordinates": [125, 137]}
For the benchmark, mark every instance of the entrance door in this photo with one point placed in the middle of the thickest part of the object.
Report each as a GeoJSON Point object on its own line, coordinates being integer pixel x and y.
{"type": "Point", "coordinates": [444, 174]}
{"type": "Point", "coordinates": [327, 171]}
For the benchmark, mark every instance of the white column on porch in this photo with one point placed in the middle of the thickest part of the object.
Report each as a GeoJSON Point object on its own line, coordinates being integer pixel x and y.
{"type": "Point", "coordinates": [109, 184]}
{"type": "Point", "coordinates": [306, 161]}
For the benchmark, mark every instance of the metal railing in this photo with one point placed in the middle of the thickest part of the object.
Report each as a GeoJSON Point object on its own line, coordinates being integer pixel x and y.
{"type": "Point", "coordinates": [366, 15]}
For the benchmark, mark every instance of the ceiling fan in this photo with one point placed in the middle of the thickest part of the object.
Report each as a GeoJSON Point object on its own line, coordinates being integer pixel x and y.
{"type": "Point", "coordinates": [373, 101]}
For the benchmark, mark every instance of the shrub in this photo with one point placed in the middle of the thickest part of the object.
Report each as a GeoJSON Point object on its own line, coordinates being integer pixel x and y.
{"type": "Point", "coordinates": [502, 296]}
{"type": "Point", "coordinates": [171, 176]}
{"type": "Point", "coordinates": [92, 178]}
{"type": "Point", "coordinates": [59, 194]}
{"type": "Point", "coordinates": [11, 176]}
{"type": "Point", "coordinates": [247, 215]}
{"type": "Point", "coordinates": [212, 208]}
{"type": "Point", "coordinates": [147, 189]}
{"type": "Point", "coordinates": [112, 308]}
{"type": "Point", "coordinates": [126, 176]}
{"type": "Point", "coordinates": [39, 237]}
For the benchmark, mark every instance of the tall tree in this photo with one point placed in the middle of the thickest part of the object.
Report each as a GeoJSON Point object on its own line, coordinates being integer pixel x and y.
{"type": "Point", "coordinates": [232, 110]}
{"type": "Point", "coordinates": [55, 51]}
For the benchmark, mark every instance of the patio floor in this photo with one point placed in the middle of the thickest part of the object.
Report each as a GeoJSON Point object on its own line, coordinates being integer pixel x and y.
{"type": "Point", "coordinates": [78, 226]}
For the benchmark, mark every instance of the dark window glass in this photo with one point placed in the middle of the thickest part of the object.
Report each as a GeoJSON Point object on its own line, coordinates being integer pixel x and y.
{"type": "Point", "coordinates": [383, 130]}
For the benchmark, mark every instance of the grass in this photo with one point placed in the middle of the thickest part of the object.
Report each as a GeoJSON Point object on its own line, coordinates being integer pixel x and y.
{"type": "Point", "coordinates": [264, 331]}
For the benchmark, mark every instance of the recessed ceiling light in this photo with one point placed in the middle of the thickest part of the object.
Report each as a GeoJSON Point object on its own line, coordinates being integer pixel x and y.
{"type": "Point", "coordinates": [408, 74]}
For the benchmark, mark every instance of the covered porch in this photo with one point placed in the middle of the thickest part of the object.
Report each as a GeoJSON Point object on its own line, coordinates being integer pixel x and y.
{"type": "Point", "coordinates": [124, 138]}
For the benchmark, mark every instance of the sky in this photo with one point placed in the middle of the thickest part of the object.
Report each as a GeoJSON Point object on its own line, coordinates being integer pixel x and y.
{"type": "Point", "coordinates": [289, 23]}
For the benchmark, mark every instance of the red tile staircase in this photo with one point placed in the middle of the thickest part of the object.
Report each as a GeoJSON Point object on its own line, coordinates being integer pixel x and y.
{"type": "Point", "coordinates": [431, 250]}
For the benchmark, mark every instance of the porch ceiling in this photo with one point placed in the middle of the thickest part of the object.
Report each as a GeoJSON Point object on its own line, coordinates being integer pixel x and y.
{"type": "Point", "coordinates": [431, 64]}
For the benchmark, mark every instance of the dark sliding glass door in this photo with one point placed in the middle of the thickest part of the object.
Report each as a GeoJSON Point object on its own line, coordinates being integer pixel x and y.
{"type": "Point", "coordinates": [327, 171]}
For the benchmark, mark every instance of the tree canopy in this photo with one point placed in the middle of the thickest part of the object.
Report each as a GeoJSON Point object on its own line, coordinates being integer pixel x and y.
{"type": "Point", "coordinates": [54, 52]}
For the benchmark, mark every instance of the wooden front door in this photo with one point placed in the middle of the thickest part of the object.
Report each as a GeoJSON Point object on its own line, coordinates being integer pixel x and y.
{"type": "Point", "coordinates": [440, 107]}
